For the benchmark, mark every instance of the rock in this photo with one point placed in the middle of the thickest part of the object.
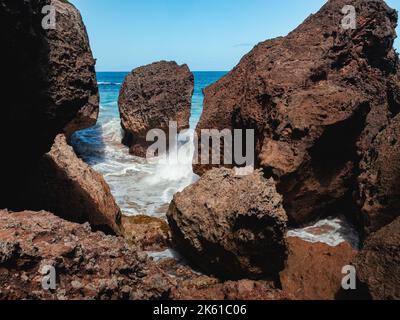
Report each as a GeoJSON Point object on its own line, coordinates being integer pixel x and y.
{"type": "Point", "coordinates": [316, 100]}
{"type": "Point", "coordinates": [314, 270]}
{"type": "Point", "coordinates": [242, 290]}
{"type": "Point", "coordinates": [379, 180]}
{"type": "Point", "coordinates": [49, 86]}
{"type": "Point", "coordinates": [88, 265]}
{"type": "Point", "coordinates": [378, 263]}
{"type": "Point", "coordinates": [151, 97]}
{"type": "Point", "coordinates": [148, 233]}
{"type": "Point", "coordinates": [67, 186]}
{"type": "Point", "coordinates": [231, 226]}
{"type": "Point", "coordinates": [191, 285]}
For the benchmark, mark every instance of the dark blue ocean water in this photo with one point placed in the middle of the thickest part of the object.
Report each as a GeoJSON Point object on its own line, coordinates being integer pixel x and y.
{"type": "Point", "coordinates": [138, 186]}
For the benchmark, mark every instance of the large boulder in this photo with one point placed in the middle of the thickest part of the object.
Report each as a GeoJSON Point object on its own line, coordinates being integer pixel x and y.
{"type": "Point", "coordinates": [231, 226]}
{"type": "Point", "coordinates": [314, 270]}
{"type": "Point", "coordinates": [380, 179]}
{"type": "Point", "coordinates": [49, 85]}
{"type": "Point", "coordinates": [378, 263]}
{"type": "Point", "coordinates": [316, 100]}
{"type": "Point", "coordinates": [88, 265]}
{"type": "Point", "coordinates": [67, 186]}
{"type": "Point", "coordinates": [152, 96]}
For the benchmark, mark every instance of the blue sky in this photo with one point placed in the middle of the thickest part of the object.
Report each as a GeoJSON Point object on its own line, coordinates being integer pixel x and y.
{"type": "Point", "coordinates": [206, 34]}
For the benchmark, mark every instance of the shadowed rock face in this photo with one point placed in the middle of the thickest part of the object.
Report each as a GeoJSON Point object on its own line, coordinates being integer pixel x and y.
{"type": "Point", "coordinates": [88, 265]}
{"type": "Point", "coordinates": [231, 226]}
{"type": "Point", "coordinates": [151, 97]}
{"type": "Point", "coordinates": [49, 85]}
{"type": "Point", "coordinates": [378, 264]}
{"type": "Point", "coordinates": [68, 187]}
{"type": "Point", "coordinates": [380, 179]}
{"type": "Point", "coordinates": [316, 100]}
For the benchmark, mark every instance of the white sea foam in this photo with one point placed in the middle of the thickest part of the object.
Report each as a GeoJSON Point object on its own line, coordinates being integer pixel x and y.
{"type": "Point", "coordinates": [332, 231]}
{"type": "Point", "coordinates": [139, 186]}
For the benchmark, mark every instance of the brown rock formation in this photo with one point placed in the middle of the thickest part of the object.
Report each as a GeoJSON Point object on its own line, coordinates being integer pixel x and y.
{"type": "Point", "coordinates": [148, 233]}
{"type": "Point", "coordinates": [191, 285]}
{"type": "Point", "coordinates": [88, 265]}
{"type": "Point", "coordinates": [314, 270]}
{"type": "Point", "coordinates": [379, 181]}
{"type": "Point", "coordinates": [151, 97]}
{"type": "Point", "coordinates": [231, 226]}
{"type": "Point", "coordinates": [316, 100]}
{"type": "Point", "coordinates": [67, 186]}
{"type": "Point", "coordinates": [378, 264]}
{"type": "Point", "coordinates": [231, 290]}
{"type": "Point", "coordinates": [49, 86]}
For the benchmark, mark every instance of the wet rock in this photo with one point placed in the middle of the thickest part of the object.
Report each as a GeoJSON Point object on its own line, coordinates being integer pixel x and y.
{"type": "Point", "coordinates": [148, 233]}
{"type": "Point", "coordinates": [378, 264]}
{"type": "Point", "coordinates": [88, 265]}
{"type": "Point", "coordinates": [379, 180]}
{"type": "Point", "coordinates": [151, 97]}
{"type": "Point", "coordinates": [231, 226]}
{"type": "Point", "coordinates": [316, 100]}
{"type": "Point", "coordinates": [49, 86]}
{"type": "Point", "coordinates": [70, 188]}
{"type": "Point", "coordinates": [314, 270]}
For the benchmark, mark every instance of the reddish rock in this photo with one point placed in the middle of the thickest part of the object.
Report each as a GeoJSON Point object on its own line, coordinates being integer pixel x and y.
{"type": "Point", "coordinates": [231, 226]}
{"type": "Point", "coordinates": [379, 180]}
{"type": "Point", "coordinates": [88, 265]}
{"type": "Point", "coordinates": [316, 100]}
{"type": "Point", "coordinates": [148, 233]}
{"type": "Point", "coordinates": [314, 270]}
{"type": "Point", "coordinates": [378, 263]}
{"type": "Point", "coordinates": [151, 97]}
{"type": "Point", "coordinates": [49, 86]}
{"type": "Point", "coordinates": [231, 290]}
{"type": "Point", "coordinates": [194, 286]}
{"type": "Point", "coordinates": [67, 186]}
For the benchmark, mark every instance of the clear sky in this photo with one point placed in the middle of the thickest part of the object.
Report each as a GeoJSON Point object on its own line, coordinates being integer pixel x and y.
{"type": "Point", "coordinates": [208, 35]}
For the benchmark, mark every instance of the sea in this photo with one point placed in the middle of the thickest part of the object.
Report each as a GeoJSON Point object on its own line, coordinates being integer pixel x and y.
{"type": "Point", "coordinates": [139, 186]}
{"type": "Point", "coordinates": [143, 187]}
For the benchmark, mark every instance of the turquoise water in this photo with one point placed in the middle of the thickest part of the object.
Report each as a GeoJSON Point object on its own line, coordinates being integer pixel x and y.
{"type": "Point", "coordinates": [139, 187]}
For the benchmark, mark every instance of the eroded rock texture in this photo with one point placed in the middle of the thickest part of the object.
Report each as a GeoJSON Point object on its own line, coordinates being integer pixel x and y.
{"type": "Point", "coordinates": [148, 233]}
{"type": "Point", "coordinates": [231, 226]}
{"type": "Point", "coordinates": [191, 285]}
{"type": "Point", "coordinates": [151, 97]}
{"type": "Point", "coordinates": [68, 187]}
{"type": "Point", "coordinates": [49, 85]}
{"type": "Point", "coordinates": [88, 265]}
{"type": "Point", "coordinates": [316, 99]}
{"type": "Point", "coordinates": [378, 264]}
{"type": "Point", "coordinates": [380, 179]}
